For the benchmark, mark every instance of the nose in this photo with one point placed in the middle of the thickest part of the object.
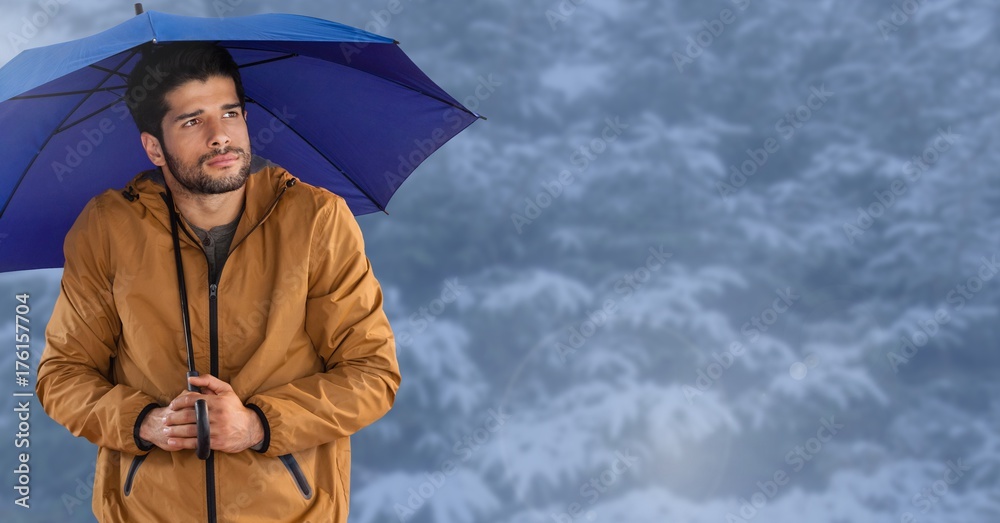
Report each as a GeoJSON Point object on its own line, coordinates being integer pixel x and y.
{"type": "Point", "coordinates": [217, 135]}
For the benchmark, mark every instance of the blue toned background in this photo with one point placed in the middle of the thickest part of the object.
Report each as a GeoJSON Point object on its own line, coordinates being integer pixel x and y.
{"type": "Point", "coordinates": [705, 262]}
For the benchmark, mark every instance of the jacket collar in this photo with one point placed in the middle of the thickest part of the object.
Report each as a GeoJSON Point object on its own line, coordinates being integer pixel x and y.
{"type": "Point", "coordinates": [264, 186]}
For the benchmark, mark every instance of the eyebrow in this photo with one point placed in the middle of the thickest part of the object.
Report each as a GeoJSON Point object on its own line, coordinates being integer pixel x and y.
{"type": "Point", "coordinates": [199, 112]}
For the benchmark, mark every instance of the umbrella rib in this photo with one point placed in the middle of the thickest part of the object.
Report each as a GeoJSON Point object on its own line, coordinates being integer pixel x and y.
{"type": "Point", "coordinates": [70, 125]}
{"type": "Point", "coordinates": [325, 157]}
{"type": "Point", "coordinates": [66, 93]}
{"type": "Point", "coordinates": [6, 203]}
{"type": "Point", "coordinates": [269, 60]}
{"type": "Point", "coordinates": [276, 58]}
{"type": "Point", "coordinates": [431, 96]}
{"type": "Point", "coordinates": [438, 98]}
{"type": "Point", "coordinates": [106, 70]}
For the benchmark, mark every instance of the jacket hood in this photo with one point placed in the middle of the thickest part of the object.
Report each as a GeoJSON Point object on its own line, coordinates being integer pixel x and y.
{"type": "Point", "coordinates": [266, 183]}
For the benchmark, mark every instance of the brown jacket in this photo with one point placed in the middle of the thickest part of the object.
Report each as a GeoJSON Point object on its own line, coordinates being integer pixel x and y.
{"type": "Point", "coordinates": [299, 334]}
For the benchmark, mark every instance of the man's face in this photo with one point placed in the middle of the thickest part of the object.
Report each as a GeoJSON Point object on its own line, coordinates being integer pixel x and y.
{"type": "Point", "coordinates": [206, 146]}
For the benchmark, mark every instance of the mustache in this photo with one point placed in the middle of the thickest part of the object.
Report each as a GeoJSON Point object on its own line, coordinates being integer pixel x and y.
{"type": "Point", "coordinates": [234, 150]}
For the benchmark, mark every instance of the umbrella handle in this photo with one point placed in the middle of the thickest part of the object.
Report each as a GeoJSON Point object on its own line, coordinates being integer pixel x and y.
{"type": "Point", "coordinates": [204, 431]}
{"type": "Point", "coordinates": [204, 448]}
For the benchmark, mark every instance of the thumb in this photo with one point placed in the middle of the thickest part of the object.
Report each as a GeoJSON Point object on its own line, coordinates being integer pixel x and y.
{"type": "Point", "coordinates": [213, 384]}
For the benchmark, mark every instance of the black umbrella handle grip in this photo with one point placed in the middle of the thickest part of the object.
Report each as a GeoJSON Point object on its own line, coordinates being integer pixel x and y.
{"type": "Point", "coordinates": [204, 431]}
{"type": "Point", "coordinates": [201, 421]}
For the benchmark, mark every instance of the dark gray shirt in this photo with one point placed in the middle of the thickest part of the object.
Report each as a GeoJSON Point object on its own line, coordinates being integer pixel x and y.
{"type": "Point", "coordinates": [216, 242]}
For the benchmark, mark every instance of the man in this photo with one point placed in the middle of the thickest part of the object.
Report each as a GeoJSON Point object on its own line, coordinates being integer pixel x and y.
{"type": "Point", "coordinates": [287, 327]}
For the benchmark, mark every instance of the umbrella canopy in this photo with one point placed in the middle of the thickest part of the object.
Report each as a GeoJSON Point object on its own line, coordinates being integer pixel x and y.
{"type": "Point", "coordinates": [338, 107]}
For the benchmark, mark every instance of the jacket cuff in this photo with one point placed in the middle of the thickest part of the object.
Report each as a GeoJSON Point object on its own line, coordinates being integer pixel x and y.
{"type": "Point", "coordinates": [143, 445]}
{"type": "Point", "coordinates": [266, 442]}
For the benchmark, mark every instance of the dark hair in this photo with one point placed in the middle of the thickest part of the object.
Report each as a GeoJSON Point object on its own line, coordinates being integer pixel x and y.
{"type": "Point", "coordinates": [163, 68]}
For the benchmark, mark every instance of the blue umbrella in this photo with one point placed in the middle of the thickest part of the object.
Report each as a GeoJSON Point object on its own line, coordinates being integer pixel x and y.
{"type": "Point", "coordinates": [338, 107]}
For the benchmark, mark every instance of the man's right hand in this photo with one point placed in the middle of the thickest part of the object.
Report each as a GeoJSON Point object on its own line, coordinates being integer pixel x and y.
{"type": "Point", "coordinates": [163, 424]}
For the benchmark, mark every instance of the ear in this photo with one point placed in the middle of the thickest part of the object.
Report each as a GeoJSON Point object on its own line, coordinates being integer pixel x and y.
{"type": "Point", "coordinates": [154, 150]}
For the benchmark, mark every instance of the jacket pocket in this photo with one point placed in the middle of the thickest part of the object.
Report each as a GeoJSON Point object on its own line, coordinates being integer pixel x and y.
{"type": "Point", "coordinates": [297, 475]}
{"type": "Point", "coordinates": [132, 469]}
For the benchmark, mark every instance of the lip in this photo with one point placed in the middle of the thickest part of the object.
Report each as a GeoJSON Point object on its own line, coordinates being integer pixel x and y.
{"type": "Point", "coordinates": [224, 160]}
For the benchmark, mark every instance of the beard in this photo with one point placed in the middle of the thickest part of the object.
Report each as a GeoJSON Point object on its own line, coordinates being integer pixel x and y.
{"type": "Point", "coordinates": [192, 176]}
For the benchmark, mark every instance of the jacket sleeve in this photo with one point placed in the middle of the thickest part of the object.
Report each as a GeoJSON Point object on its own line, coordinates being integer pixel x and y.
{"type": "Point", "coordinates": [75, 384]}
{"type": "Point", "coordinates": [349, 329]}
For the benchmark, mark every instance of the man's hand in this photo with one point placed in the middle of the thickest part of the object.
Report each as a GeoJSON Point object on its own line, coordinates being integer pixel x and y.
{"type": "Point", "coordinates": [154, 427]}
{"type": "Point", "coordinates": [234, 427]}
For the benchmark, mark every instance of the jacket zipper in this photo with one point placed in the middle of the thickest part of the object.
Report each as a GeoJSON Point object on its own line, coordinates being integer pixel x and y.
{"type": "Point", "coordinates": [210, 486]}
{"type": "Point", "coordinates": [132, 469]}
{"type": "Point", "coordinates": [213, 291]}
{"type": "Point", "coordinates": [297, 475]}
{"type": "Point", "coordinates": [213, 336]}
{"type": "Point", "coordinates": [213, 322]}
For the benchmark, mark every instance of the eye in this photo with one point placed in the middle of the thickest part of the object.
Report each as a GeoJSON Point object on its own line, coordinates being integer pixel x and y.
{"type": "Point", "coordinates": [232, 114]}
{"type": "Point", "coordinates": [190, 122]}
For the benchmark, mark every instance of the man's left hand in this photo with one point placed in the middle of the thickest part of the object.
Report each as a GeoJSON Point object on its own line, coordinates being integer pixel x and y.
{"type": "Point", "coordinates": [234, 427]}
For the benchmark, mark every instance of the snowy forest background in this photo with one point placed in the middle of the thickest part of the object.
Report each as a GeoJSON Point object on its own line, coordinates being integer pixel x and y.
{"type": "Point", "coordinates": [666, 336]}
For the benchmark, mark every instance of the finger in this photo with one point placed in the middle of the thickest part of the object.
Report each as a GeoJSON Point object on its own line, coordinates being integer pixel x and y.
{"type": "Point", "coordinates": [186, 401]}
{"type": "Point", "coordinates": [181, 432]}
{"type": "Point", "coordinates": [179, 396]}
{"type": "Point", "coordinates": [180, 417]}
{"type": "Point", "coordinates": [211, 383]}
{"type": "Point", "coordinates": [182, 443]}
